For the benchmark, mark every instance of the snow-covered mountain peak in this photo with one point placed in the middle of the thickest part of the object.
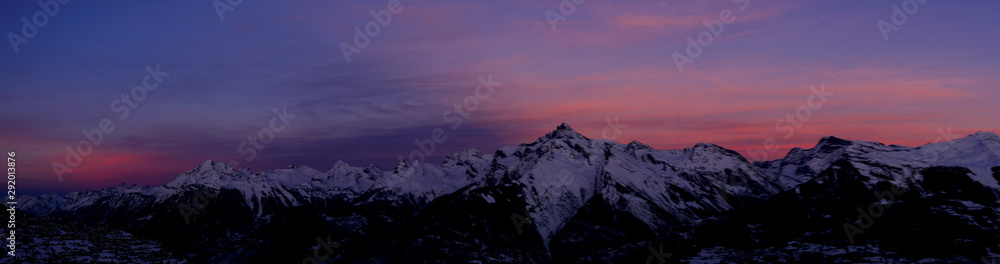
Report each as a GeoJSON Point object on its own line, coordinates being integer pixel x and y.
{"type": "Point", "coordinates": [704, 145]}
{"type": "Point", "coordinates": [833, 142]}
{"type": "Point", "coordinates": [978, 152]}
{"type": "Point", "coordinates": [210, 173]}
{"type": "Point", "coordinates": [704, 152]}
{"type": "Point", "coordinates": [709, 147]}
{"type": "Point", "coordinates": [636, 145]}
{"type": "Point", "coordinates": [986, 135]}
{"type": "Point", "coordinates": [979, 141]}
{"type": "Point", "coordinates": [794, 150]}
{"type": "Point", "coordinates": [563, 131]}
{"type": "Point", "coordinates": [301, 169]}
{"type": "Point", "coordinates": [463, 155]}
{"type": "Point", "coordinates": [402, 165]}
{"type": "Point", "coordinates": [988, 139]}
{"type": "Point", "coordinates": [831, 146]}
{"type": "Point", "coordinates": [125, 188]}
{"type": "Point", "coordinates": [341, 164]}
{"type": "Point", "coordinates": [210, 165]}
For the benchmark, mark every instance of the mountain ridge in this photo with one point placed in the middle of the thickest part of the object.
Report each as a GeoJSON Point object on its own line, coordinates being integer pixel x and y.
{"type": "Point", "coordinates": [562, 185]}
{"type": "Point", "coordinates": [564, 131]}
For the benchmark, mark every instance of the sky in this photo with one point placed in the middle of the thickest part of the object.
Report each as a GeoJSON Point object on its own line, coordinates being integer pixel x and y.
{"type": "Point", "coordinates": [267, 84]}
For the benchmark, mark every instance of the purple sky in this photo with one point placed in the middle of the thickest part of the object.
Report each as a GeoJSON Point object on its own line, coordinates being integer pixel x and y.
{"type": "Point", "coordinates": [607, 60]}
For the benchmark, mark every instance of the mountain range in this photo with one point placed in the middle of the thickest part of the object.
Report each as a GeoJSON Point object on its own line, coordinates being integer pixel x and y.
{"type": "Point", "coordinates": [564, 198]}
